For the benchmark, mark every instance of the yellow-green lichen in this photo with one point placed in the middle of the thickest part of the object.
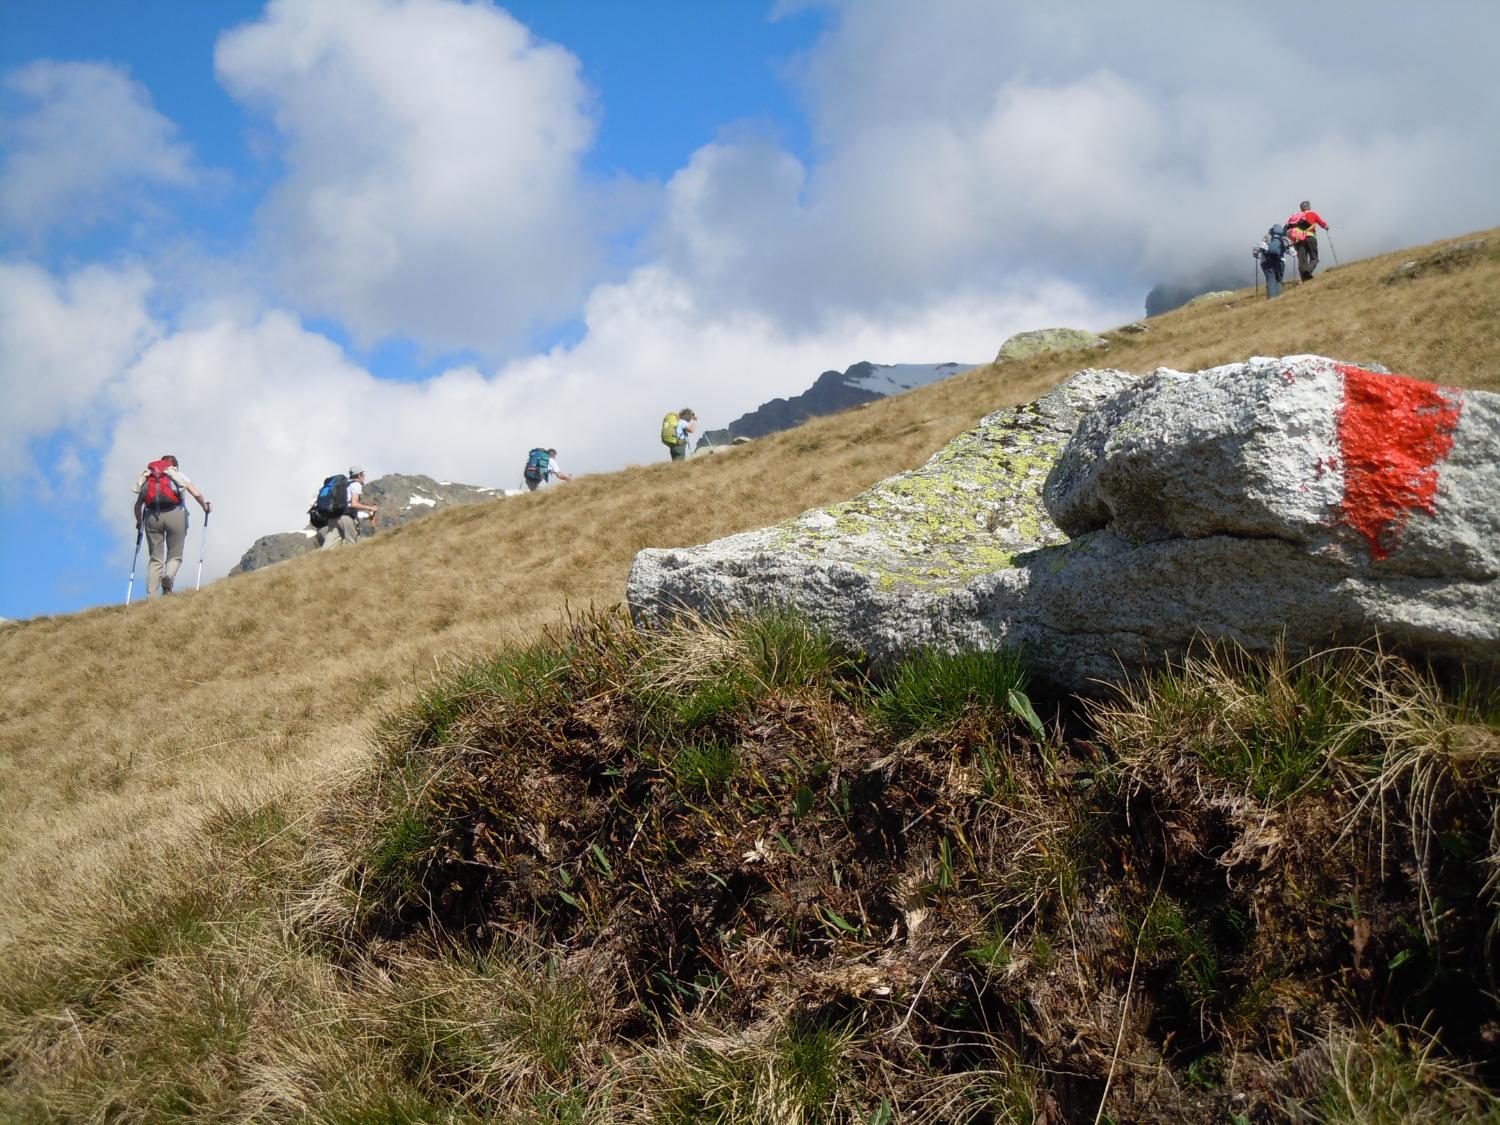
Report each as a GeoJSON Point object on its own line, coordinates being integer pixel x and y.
{"type": "Point", "coordinates": [969, 511]}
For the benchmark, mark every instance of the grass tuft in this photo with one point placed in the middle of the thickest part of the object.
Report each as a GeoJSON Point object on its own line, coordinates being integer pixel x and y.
{"type": "Point", "coordinates": [931, 691]}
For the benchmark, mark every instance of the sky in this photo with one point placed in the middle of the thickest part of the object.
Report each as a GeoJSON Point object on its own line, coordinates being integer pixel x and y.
{"type": "Point", "coordinates": [424, 236]}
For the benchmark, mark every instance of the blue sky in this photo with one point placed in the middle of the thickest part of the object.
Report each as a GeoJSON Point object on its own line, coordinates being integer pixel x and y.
{"type": "Point", "coordinates": [426, 235]}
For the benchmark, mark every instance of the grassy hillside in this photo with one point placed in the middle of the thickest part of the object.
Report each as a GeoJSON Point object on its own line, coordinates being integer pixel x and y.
{"type": "Point", "coordinates": [167, 767]}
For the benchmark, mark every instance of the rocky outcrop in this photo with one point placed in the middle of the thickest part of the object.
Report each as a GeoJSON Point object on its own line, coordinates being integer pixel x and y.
{"type": "Point", "coordinates": [1024, 345]}
{"type": "Point", "coordinates": [1111, 523]}
{"type": "Point", "coordinates": [1212, 297]}
{"type": "Point", "coordinates": [834, 391]}
{"type": "Point", "coordinates": [1169, 295]}
{"type": "Point", "coordinates": [400, 497]}
{"type": "Point", "coordinates": [1444, 260]}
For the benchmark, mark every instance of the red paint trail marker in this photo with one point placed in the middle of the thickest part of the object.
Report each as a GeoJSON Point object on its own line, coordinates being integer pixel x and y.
{"type": "Point", "coordinates": [1393, 432]}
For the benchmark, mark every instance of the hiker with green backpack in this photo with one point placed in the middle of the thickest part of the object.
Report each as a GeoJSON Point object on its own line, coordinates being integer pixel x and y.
{"type": "Point", "coordinates": [161, 513]}
{"type": "Point", "coordinates": [542, 466]}
{"type": "Point", "coordinates": [675, 428]}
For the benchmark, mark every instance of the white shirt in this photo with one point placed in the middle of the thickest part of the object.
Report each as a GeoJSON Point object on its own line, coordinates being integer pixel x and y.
{"type": "Point", "coordinates": [356, 490]}
{"type": "Point", "coordinates": [553, 468]}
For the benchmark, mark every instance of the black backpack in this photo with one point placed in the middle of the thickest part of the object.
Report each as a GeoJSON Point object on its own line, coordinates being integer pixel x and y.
{"type": "Point", "coordinates": [1276, 241]}
{"type": "Point", "coordinates": [536, 465]}
{"type": "Point", "coordinates": [332, 501]}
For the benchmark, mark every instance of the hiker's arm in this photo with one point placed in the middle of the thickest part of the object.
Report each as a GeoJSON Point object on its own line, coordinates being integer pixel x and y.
{"type": "Point", "coordinates": [358, 505]}
{"type": "Point", "coordinates": [198, 496]}
{"type": "Point", "coordinates": [139, 505]}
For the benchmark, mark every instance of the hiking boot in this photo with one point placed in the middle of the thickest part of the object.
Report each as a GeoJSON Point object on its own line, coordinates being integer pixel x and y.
{"type": "Point", "coordinates": [166, 585]}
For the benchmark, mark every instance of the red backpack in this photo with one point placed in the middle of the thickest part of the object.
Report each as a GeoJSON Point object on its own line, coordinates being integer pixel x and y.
{"type": "Point", "coordinates": [159, 491]}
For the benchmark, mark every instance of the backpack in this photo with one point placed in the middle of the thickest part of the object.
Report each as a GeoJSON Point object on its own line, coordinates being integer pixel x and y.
{"type": "Point", "coordinates": [537, 462]}
{"type": "Point", "coordinates": [333, 499]}
{"type": "Point", "coordinates": [1276, 241]}
{"type": "Point", "coordinates": [669, 429]}
{"type": "Point", "coordinates": [159, 491]}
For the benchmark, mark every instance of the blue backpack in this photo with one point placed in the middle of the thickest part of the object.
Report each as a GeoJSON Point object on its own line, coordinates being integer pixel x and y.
{"type": "Point", "coordinates": [537, 462]}
{"type": "Point", "coordinates": [333, 497]}
{"type": "Point", "coordinates": [1276, 241]}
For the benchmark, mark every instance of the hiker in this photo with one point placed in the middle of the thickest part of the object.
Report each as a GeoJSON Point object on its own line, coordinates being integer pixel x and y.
{"type": "Point", "coordinates": [161, 512]}
{"type": "Point", "coordinates": [675, 428]}
{"type": "Point", "coordinates": [542, 466]}
{"type": "Point", "coordinates": [1302, 229]}
{"type": "Point", "coordinates": [1272, 254]}
{"type": "Point", "coordinates": [339, 508]}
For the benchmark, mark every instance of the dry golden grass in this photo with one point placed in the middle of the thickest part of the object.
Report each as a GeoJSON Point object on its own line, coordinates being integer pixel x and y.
{"type": "Point", "coordinates": [121, 727]}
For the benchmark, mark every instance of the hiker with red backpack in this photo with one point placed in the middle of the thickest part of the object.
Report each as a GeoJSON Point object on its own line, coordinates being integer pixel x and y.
{"type": "Point", "coordinates": [161, 512]}
{"type": "Point", "coordinates": [1302, 228]}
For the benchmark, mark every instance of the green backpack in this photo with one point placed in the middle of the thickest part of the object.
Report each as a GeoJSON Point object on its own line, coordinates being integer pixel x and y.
{"type": "Point", "coordinates": [669, 429]}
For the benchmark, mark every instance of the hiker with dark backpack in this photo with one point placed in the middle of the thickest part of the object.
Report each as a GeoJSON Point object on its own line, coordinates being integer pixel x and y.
{"type": "Point", "coordinates": [542, 466]}
{"type": "Point", "coordinates": [339, 507]}
{"type": "Point", "coordinates": [1272, 254]}
{"type": "Point", "coordinates": [161, 513]}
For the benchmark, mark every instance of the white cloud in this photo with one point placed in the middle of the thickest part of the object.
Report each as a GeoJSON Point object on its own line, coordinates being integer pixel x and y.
{"type": "Point", "coordinates": [968, 143]}
{"type": "Point", "coordinates": [88, 141]}
{"type": "Point", "coordinates": [62, 342]}
{"type": "Point", "coordinates": [432, 150]}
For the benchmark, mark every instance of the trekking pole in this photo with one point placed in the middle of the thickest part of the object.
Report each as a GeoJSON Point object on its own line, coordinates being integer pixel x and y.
{"type": "Point", "coordinates": [130, 589]}
{"type": "Point", "coordinates": [202, 543]}
{"type": "Point", "coordinates": [1331, 250]}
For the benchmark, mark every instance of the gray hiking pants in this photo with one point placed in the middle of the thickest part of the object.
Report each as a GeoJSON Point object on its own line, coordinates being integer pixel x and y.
{"type": "Point", "coordinates": [341, 530]}
{"type": "Point", "coordinates": [1307, 258]}
{"type": "Point", "coordinates": [166, 532]}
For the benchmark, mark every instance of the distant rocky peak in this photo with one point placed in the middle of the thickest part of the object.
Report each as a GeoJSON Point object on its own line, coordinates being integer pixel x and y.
{"type": "Point", "coordinates": [834, 391]}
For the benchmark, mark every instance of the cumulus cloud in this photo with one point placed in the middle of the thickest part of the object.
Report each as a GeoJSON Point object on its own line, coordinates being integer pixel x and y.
{"type": "Point", "coordinates": [965, 143]}
{"type": "Point", "coordinates": [62, 342]}
{"type": "Point", "coordinates": [85, 142]}
{"type": "Point", "coordinates": [433, 156]}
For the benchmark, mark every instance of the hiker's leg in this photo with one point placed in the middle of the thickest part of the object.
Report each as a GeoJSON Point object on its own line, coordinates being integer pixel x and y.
{"type": "Point", "coordinates": [156, 546]}
{"type": "Point", "coordinates": [1312, 255]}
{"type": "Point", "coordinates": [679, 451]}
{"type": "Point", "coordinates": [328, 536]}
{"type": "Point", "coordinates": [347, 531]}
{"type": "Point", "coordinates": [175, 525]}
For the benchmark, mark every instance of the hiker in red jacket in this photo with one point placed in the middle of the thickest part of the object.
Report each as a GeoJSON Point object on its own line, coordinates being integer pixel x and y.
{"type": "Point", "coordinates": [1302, 229]}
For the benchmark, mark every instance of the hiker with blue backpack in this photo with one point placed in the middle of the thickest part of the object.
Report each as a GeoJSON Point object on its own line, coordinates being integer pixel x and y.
{"type": "Point", "coordinates": [339, 508]}
{"type": "Point", "coordinates": [161, 514]}
{"type": "Point", "coordinates": [1272, 254]}
{"type": "Point", "coordinates": [542, 466]}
